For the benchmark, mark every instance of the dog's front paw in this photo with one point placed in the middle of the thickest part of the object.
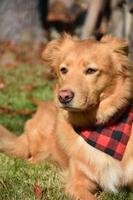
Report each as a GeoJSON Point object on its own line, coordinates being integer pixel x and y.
{"type": "Point", "coordinates": [104, 114]}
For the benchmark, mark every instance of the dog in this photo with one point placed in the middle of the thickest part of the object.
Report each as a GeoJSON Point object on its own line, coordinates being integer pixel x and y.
{"type": "Point", "coordinates": [91, 126]}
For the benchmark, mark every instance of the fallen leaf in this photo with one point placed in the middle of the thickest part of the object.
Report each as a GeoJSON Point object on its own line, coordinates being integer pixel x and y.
{"type": "Point", "coordinates": [16, 112]}
{"type": "Point", "coordinates": [28, 87]}
{"type": "Point", "coordinates": [38, 190]}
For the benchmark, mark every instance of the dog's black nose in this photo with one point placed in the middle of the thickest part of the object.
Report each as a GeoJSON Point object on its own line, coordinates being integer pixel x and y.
{"type": "Point", "coordinates": [65, 96]}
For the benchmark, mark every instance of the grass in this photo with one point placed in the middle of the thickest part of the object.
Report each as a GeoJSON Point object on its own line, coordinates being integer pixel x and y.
{"type": "Point", "coordinates": [18, 179]}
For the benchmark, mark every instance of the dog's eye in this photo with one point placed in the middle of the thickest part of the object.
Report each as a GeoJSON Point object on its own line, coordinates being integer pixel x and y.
{"type": "Point", "coordinates": [63, 70]}
{"type": "Point", "coordinates": [90, 70]}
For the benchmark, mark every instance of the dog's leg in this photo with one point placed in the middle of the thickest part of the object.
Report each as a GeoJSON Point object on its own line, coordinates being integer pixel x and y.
{"type": "Point", "coordinates": [13, 145]}
{"type": "Point", "coordinates": [79, 185]}
{"type": "Point", "coordinates": [78, 190]}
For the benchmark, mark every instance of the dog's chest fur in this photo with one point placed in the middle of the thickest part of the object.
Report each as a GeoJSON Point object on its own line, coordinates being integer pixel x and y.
{"type": "Point", "coordinates": [109, 173]}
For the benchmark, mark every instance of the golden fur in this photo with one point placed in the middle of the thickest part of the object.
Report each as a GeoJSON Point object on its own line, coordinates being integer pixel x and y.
{"type": "Point", "coordinates": [101, 77]}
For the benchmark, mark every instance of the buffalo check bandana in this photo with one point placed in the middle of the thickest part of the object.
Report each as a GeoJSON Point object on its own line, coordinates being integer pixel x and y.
{"type": "Point", "coordinates": [112, 137]}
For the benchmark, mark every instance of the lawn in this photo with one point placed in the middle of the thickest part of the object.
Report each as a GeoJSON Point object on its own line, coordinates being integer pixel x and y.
{"type": "Point", "coordinates": [23, 77]}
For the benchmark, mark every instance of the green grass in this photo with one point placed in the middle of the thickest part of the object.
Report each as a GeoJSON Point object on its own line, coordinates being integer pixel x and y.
{"type": "Point", "coordinates": [18, 179]}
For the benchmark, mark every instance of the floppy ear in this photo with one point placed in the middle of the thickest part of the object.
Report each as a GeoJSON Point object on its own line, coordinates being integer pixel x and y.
{"type": "Point", "coordinates": [51, 52]}
{"type": "Point", "coordinates": [119, 50]}
{"type": "Point", "coordinates": [54, 51]}
{"type": "Point", "coordinates": [116, 45]}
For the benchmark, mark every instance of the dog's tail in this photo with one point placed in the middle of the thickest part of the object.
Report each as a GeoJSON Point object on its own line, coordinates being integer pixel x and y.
{"type": "Point", "coordinates": [13, 145]}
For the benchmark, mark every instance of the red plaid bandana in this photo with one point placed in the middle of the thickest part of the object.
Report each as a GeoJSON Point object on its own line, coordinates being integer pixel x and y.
{"type": "Point", "coordinates": [112, 137]}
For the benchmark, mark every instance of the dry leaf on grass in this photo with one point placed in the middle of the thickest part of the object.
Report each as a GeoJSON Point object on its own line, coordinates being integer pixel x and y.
{"type": "Point", "coordinates": [38, 190]}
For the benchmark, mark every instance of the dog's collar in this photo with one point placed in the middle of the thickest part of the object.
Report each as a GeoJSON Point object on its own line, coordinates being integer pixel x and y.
{"type": "Point", "coordinates": [112, 137]}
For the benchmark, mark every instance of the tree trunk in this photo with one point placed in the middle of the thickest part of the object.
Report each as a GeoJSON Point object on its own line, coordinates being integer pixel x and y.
{"type": "Point", "coordinates": [19, 21]}
{"type": "Point", "coordinates": [91, 18]}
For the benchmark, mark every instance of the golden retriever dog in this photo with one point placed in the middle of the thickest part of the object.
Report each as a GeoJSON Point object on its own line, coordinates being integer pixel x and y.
{"type": "Point", "coordinates": [90, 133]}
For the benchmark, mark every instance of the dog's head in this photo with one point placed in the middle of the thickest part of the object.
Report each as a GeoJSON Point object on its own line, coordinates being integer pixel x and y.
{"type": "Point", "coordinates": [90, 73]}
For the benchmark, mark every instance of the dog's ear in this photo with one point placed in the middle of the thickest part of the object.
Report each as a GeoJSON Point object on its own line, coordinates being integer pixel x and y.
{"type": "Point", "coordinates": [117, 45]}
{"type": "Point", "coordinates": [53, 53]}
{"type": "Point", "coordinates": [119, 50]}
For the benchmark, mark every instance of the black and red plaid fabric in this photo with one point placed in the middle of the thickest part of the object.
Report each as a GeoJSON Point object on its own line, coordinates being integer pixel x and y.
{"type": "Point", "coordinates": [112, 137]}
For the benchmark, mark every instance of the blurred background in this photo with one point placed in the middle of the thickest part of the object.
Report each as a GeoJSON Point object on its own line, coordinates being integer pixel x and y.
{"type": "Point", "coordinates": [38, 21]}
{"type": "Point", "coordinates": [43, 20]}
